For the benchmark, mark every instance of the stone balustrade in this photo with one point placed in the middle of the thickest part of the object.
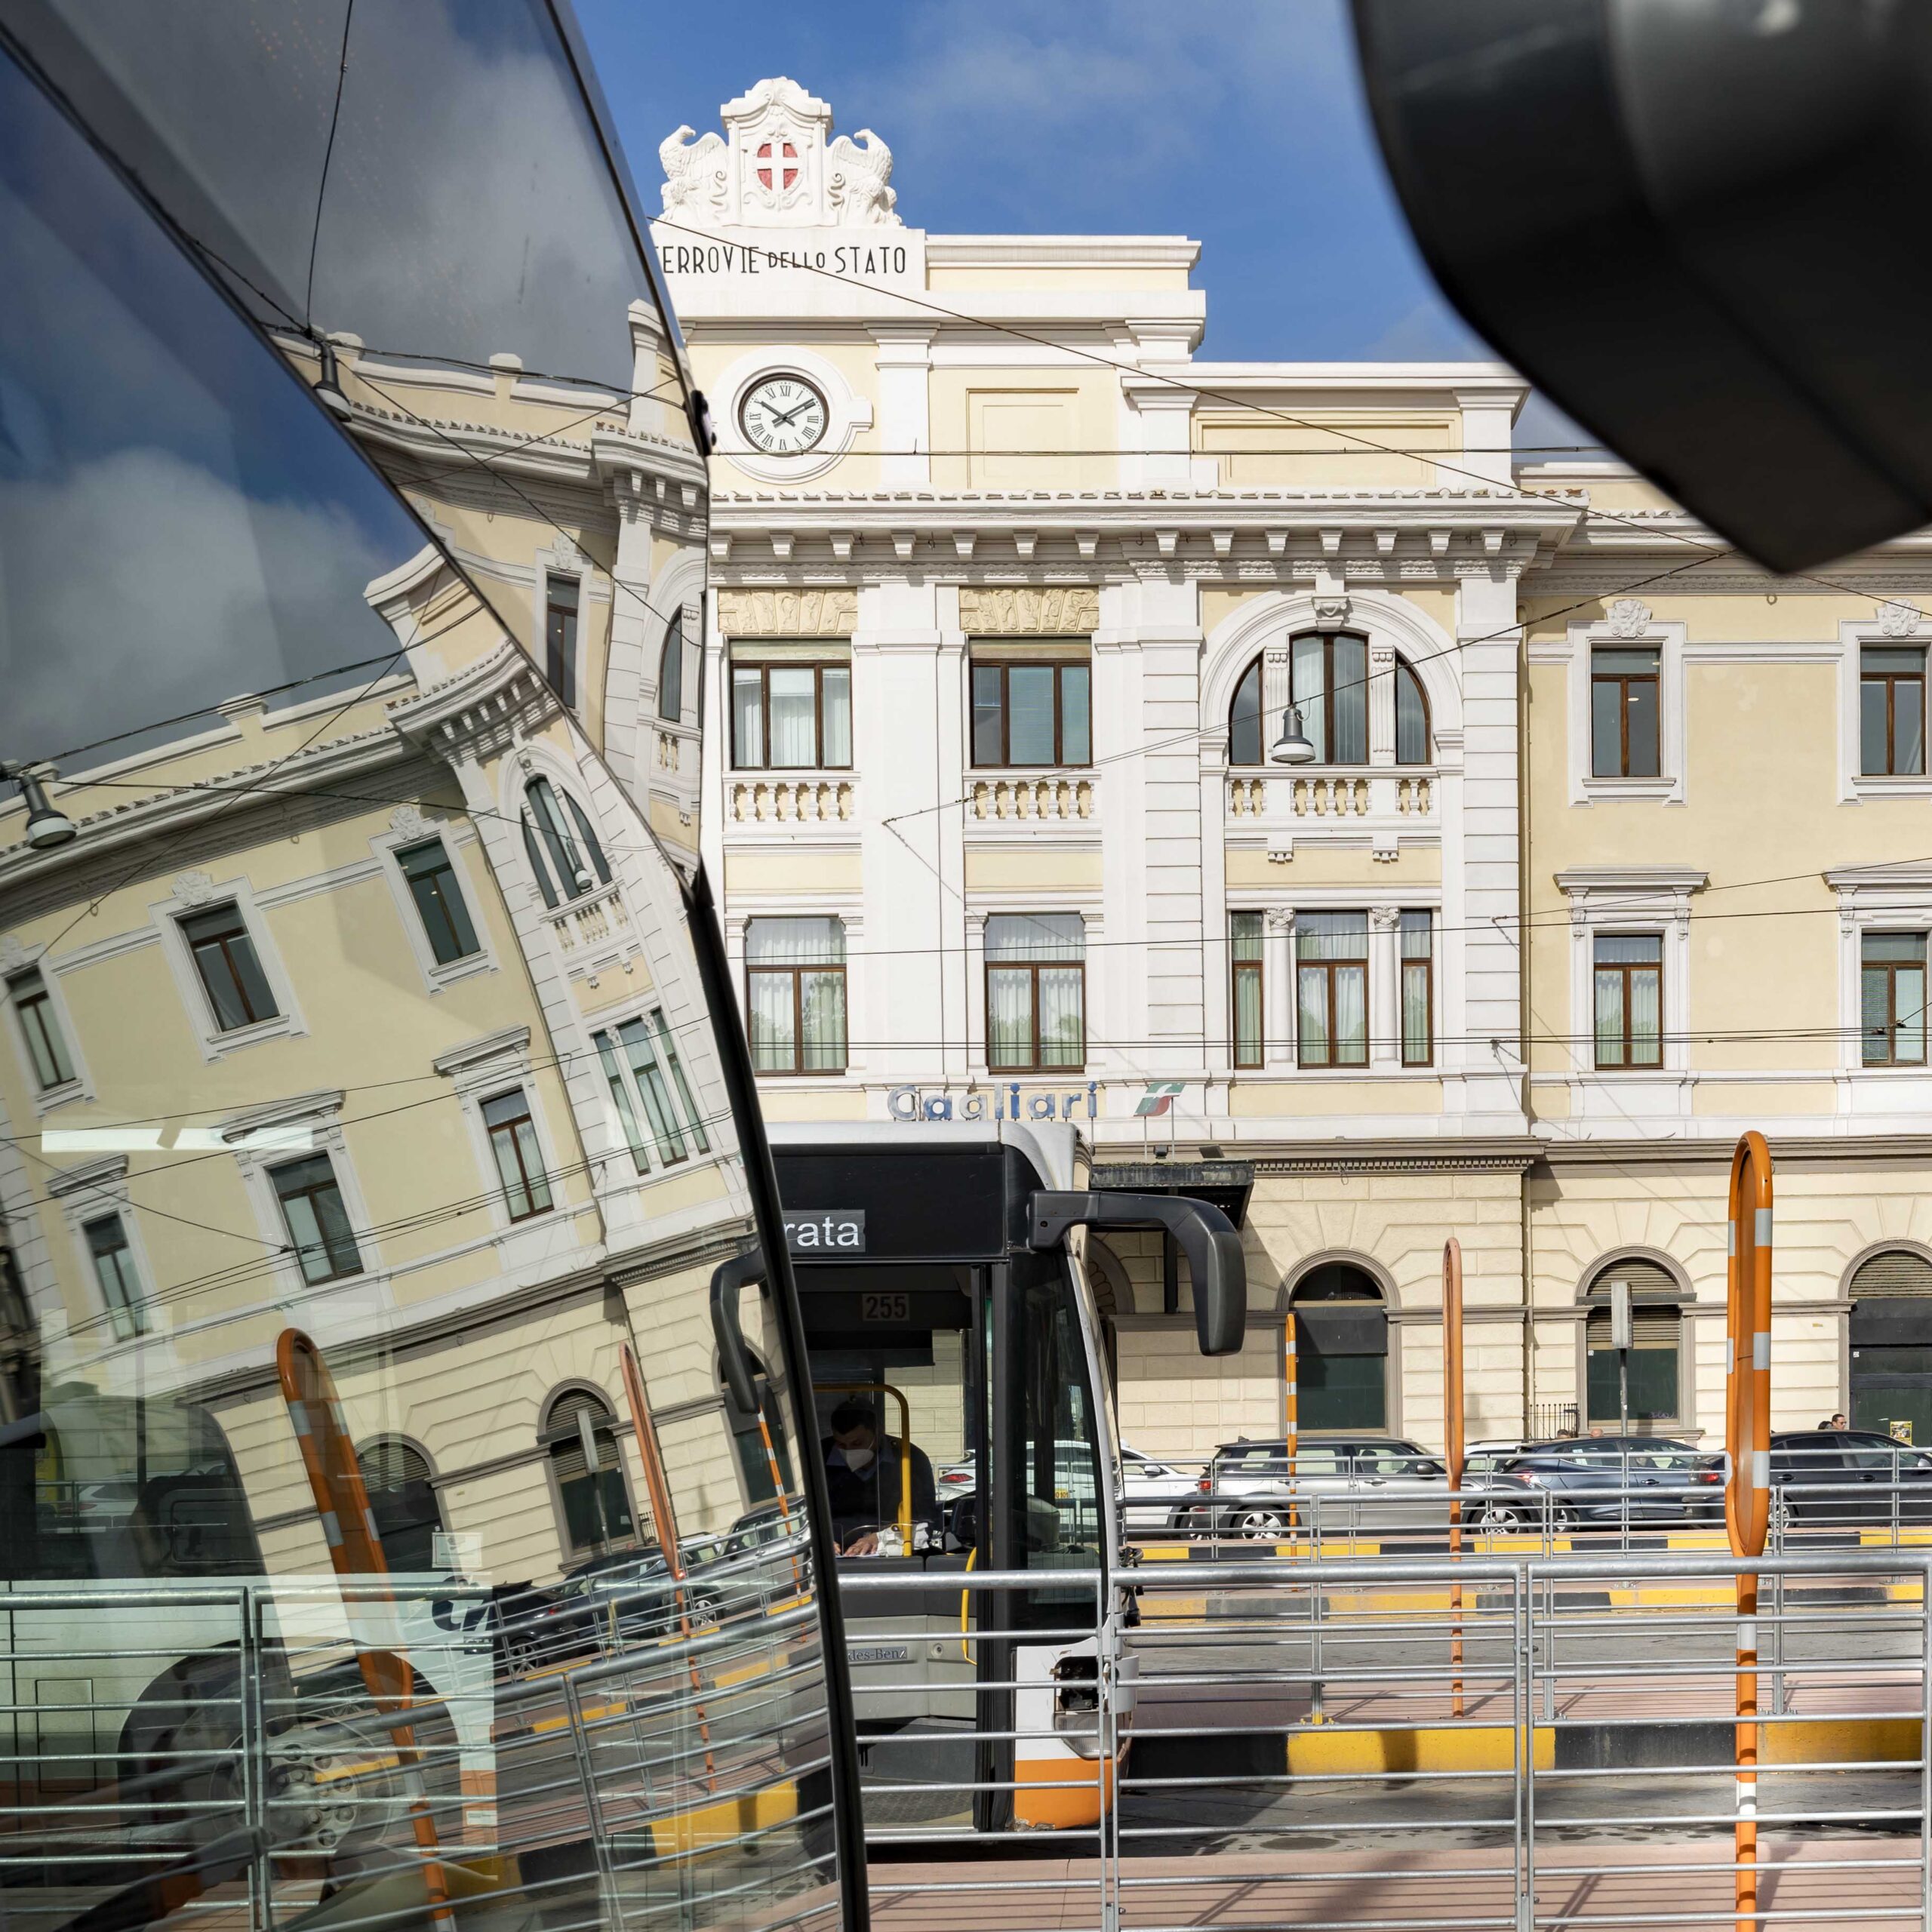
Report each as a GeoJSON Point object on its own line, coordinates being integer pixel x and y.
{"type": "Point", "coordinates": [1011, 800]}
{"type": "Point", "coordinates": [771, 800]}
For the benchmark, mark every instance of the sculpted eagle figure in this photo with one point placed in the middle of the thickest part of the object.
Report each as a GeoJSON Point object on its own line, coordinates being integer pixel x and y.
{"type": "Point", "coordinates": [693, 176]}
{"type": "Point", "coordinates": [856, 182]}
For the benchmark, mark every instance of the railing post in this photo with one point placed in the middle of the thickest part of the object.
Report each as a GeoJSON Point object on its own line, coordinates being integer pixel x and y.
{"type": "Point", "coordinates": [1925, 1747]}
{"type": "Point", "coordinates": [1109, 1771]}
{"type": "Point", "coordinates": [1523, 1705]}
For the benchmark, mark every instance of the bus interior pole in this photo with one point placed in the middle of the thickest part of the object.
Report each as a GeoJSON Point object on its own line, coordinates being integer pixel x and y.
{"type": "Point", "coordinates": [1747, 1446]}
{"type": "Point", "coordinates": [1003, 1494]}
{"type": "Point", "coordinates": [1452, 1411]}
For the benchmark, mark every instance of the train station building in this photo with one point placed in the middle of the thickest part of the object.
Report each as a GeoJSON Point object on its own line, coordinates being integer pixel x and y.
{"type": "Point", "coordinates": [1604, 847]}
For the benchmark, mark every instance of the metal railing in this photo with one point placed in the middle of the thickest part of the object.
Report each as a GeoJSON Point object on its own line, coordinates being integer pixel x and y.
{"type": "Point", "coordinates": [1503, 1744]}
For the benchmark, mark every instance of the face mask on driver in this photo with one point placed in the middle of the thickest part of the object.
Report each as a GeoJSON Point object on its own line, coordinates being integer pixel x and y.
{"type": "Point", "coordinates": [857, 1460]}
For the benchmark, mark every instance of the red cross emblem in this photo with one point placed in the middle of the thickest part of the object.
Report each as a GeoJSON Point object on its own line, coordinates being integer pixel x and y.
{"type": "Point", "coordinates": [787, 154]}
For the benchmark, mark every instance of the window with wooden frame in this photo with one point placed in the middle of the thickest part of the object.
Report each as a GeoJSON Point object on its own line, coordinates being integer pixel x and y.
{"type": "Point", "coordinates": [794, 995]}
{"type": "Point", "coordinates": [1891, 711]}
{"type": "Point", "coordinates": [671, 673]}
{"type": "Point", "coordinates": [561, 595]}
{"type": "Point", "coordinates": [1036, 992]}
{"type": "Point", "coordinates": [1416, 962]}
{"type": "Point", "coordinates": [1891, 993]}
{"type": "Point", "coordinates": [433, 883]}
{"type": "Point", "coordinates": [1247, 724]}
{"type": "Point", "coordinates": [1411, 716]}
{"type": "Point", "coordinates": [1628, 978]}
{"type": "Point", "coordinates": [1032, 702]}
{"type": "Point", "coordinates": [230, 971]}
{"type": "Point", "coordinates": [113, 1258]}
{"type": "Point", "coordinates": [1328, 685]}
{"type": "Point", "coordinates": [1331, 989]}
{"type": "Point", "coordinates": [40, 1029]}
{"type": "Point", "coordinates": [641, 1069]}
{"type": "Point", "coordinates": [519, 1160]}
{"type": "Point", "coordinates": [1624, 685]}
{"type": "Point", "coordinates": [791, 707]}
{"type": "Point", "coordinates": [317, 1219]}
{"type": "Point", "coordinates": [558, 841]}
{"type": "Point", "coordinates": [581, 1440]}
{"type": "Point", "coordinates": [1245, 1002]}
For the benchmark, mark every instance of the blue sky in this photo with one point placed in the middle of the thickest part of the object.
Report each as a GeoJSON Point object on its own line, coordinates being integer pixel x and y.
{"type": "Point", "coordinates": [1239, 122]}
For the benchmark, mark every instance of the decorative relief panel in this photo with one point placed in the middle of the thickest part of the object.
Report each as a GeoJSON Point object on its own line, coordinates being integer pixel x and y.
{"type": "Point", "coordinates": [1049, 610]}
{"type": "Point", "coordinates": [788, 613]}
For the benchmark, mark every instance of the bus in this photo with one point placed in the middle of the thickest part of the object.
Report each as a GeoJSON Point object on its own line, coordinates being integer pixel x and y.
{"type": "Point", "coordinates": [946, 1300]}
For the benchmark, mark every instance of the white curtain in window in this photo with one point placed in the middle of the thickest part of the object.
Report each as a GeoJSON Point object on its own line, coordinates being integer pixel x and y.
{"type": "Point", "coordinates": [1035, 936]}
{"type": "Point", "coordinates": [1351, 1014]}
{"type": "Point", "coordinates": [822, 1006]}
{"type": "Point", "coordinates": [837, 680]}
{"type": "Point", "coordinates": [1009, 1018]}
{"type": "Point", "coordinates": [1610, 1018]}
{"type": "Point", "coordinates": [1307, 688]}
{"type": "Point", "coordinates": [747, 719]}
{"type": "Point", "coordinates": [793, 689]}
{"type": "Point", "coordinates": [795, 942]}
{"type": "Point", "coordinates": [1646, 1023]}
{"type": "Point", "coordinates": [1062, 1017]}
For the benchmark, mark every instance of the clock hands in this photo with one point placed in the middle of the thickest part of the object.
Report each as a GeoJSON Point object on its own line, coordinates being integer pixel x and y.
{"type": "Point", "coordinates": [792, 412]}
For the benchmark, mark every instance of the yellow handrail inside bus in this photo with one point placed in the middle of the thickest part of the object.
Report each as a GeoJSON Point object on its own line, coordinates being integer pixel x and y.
{"type": "Point", "coordinates": [905, 1446]}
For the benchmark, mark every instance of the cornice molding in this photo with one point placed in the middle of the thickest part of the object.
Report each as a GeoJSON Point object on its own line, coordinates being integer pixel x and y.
{"type": "Point", "coordinates": [499, 700]}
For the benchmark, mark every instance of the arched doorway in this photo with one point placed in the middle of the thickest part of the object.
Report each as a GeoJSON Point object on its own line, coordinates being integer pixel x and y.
{"type": "Point", "coordinates": [1891, 1344]}
{"type": "Point", "coordinates": [1655, 1393]}
{"type": "Point", "coordinates": [402, 1499]}
{"type": "Point", "coordinates": [1341, 1349]}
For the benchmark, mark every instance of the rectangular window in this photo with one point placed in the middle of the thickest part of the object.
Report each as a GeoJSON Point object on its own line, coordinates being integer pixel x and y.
{"type": "Point", "coordinates": [1623, 713]}
{"type": "Point", "coordinates": [1034, 713]}
{"type": "Point", "coordinates": [1331, 989]}
{"type": "Point", "coordinates": [1245, 939]}
{"type": "Point", "coordinates": [641, 1069]}
{"type": "Point", "coordinates": [791, 716]}
{"type": "Point", "coordinates": [224, 956]}
{"type": "Point", "coordinates": [317, 1219]}
{"type": "Point", "coordinates": [1629, 999]}
{"type": "Point", "coordinates": [794, 995]}
{"type": "Point", "coordinates": [40, 1029]}
{"type": "Point", "coordinates": [1417, 936]}
{"type": "Point", "coordinates": [114, 1271]}
{"type": "Point", "coordinates": [1328, 685]}
{"type": "Point", "coordinates": [1036, 992]}
{"type": "Point", "coordinates": [519, 1161]}
{"type": "Point", "coordinates": [1892, 999]}
{"type": "Point", "coordinates": [439, 903]}
{"type": "Point", "coordinates": [560, 636]}
{"type": "Point", "coordinates": [1891, 711]}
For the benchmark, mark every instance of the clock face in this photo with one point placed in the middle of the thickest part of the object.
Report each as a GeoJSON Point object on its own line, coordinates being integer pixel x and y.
{"type": "Point", "coordinates": [782, 416]}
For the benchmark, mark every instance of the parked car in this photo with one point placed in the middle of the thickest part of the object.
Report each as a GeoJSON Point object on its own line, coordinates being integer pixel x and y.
{"type": "Point", "coordinates": [1608, 1481]}
{"type": "Point", "coordinates": [1338, 1483]}
{"type": "Point", "coordinates": [1820, 1477]}
{"type": "Point", "coordinates": [617, 1598]}
{"type": "Point", "coordinates": [1152, 1489]}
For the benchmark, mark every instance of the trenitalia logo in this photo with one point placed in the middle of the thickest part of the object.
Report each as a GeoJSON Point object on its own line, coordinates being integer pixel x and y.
{"type": "Point", "coordinates": [1004, 1100]}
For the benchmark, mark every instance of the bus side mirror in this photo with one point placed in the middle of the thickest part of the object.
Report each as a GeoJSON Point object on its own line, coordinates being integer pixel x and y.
{"type": "Point", "coordinates": [728, 1282]}
{"type": "Point", "coordinates": [1207, 1237]}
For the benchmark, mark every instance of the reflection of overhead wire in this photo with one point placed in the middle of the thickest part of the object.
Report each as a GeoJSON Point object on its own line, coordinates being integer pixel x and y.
{"type": "Point", "coordinates": [328, 154]}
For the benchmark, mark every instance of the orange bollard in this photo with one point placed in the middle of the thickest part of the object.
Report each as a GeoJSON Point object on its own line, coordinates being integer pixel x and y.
{"type": "Point", "coordinates": [1747, 1496]}
{"type": "Point", "coordinates": [1291, 1405]}
{"type": "Point", "coordinates": [342, 1502]}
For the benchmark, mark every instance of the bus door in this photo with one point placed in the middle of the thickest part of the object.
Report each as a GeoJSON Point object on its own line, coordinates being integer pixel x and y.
{"type": "Point", "coordinates": [897, 1353]}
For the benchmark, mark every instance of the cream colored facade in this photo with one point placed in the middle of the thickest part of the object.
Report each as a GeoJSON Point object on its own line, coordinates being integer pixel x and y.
{"type": "Point", "coordinates": [1023, 460]}
{"type": "Point", "coordinates": [467, 1319]}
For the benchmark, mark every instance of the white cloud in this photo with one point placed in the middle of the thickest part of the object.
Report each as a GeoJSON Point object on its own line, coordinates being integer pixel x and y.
{"type": "Point", "coordinates": [141, 585]}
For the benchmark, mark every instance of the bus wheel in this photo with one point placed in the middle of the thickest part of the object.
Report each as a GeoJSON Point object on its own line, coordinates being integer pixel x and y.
{"type": "Point", "coordinates": [182, 1750]}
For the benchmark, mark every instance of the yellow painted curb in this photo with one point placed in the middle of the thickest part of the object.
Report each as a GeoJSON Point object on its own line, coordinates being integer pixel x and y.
{"type": "Point", "coordinates": [1331, 1752]}
{"type": "Point", "coordinates": [690, 1832]}
{"type": "Point", "coordinates": [1840, 1740]}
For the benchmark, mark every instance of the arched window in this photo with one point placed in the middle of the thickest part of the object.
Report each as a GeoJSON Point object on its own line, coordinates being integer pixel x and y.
{"type": "Point", "coordinates": [562, 850]}
{"type": "Point", "coordinates": [1652, 1392]}
{"type": "Point", "coordinates": [1341, 1349]}
{"type": "Point", "coordinates": [1328, 685]}
{"type": "Point", "coordinates": [1244, 719]}
{"type": "Point", "coordinates": [671, 673]}
{"type": "Point", "coordinates": [1891, 1345]}
{"type": "Point", "coordinates": [591, 1490]}
{"type": "Point", "coordinates": [1411, 717]}
{"type": "Point", "coordinates": [403, 1499]}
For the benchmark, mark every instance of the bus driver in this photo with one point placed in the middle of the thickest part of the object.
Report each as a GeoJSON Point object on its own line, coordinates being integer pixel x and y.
{"type": "Point", "coordinates": [862, 1473]}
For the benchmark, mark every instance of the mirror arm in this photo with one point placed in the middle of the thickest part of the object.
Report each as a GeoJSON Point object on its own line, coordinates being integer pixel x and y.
{"type": "Point", "coordinates": [728, 1281]}
{"type": "Point", "coordinates": [1207, 1237]}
